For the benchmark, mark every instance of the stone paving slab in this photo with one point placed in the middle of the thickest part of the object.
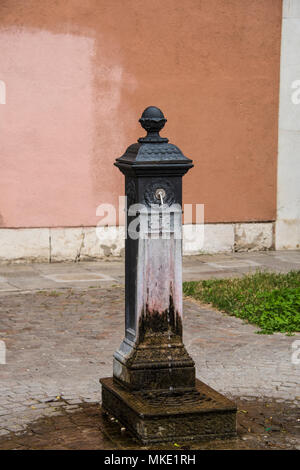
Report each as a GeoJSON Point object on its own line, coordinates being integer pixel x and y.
{"type": "Point", "coordinates": [59, 343]}
{"type": "Point", "coordinates": [110, 271]}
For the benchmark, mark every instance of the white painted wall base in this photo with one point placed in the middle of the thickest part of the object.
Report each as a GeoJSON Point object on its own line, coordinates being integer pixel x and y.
{"type": "Point", "coordinates": [255, 236]}
{"type": "Point", "coordinates": [74, 244]}
{"type": "Point", "coordinates": [287, 234]}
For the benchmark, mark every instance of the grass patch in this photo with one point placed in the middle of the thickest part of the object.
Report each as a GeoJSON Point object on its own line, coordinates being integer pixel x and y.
{"type": "Point", "coordinates": [269, 300]}
{"type": "Point", "coordinates": [54, 293]}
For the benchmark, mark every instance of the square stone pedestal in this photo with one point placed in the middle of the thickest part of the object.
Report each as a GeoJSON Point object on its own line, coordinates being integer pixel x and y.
{"type": "Point", "coordinates": [161, 416]}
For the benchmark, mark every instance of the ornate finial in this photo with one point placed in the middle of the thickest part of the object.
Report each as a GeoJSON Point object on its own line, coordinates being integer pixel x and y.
{"type": "Point", "coordinates": [152, 121]}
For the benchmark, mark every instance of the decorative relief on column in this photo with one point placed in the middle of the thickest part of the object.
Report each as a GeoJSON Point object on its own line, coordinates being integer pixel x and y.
{"type": "Point", "coordinates": [130, 192]}
{"type": "Point", "coordinates": [152, 190]}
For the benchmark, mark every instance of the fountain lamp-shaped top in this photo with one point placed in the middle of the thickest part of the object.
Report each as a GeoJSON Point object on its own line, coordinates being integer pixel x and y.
{"type": "Point", "coordinates": [153, 120]}
{"type": "Point", "coordinates": [153, 149]}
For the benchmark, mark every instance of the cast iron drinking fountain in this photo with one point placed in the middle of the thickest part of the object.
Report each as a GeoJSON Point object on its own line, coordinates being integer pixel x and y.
{"type": "Point", "coordinates": [154, 392]}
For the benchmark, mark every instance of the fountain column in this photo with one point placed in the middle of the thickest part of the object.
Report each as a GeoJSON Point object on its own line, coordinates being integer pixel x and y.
{"type": "Point", "coordinates": [154, 391]}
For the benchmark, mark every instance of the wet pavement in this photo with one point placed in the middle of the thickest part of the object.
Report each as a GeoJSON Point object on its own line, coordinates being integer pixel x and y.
{"type": "Point", "coordinates": [261, 425]}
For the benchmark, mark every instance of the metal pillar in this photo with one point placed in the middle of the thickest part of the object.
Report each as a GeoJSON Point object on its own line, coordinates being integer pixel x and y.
{"type": "Point", "coordinates": [154, 391]}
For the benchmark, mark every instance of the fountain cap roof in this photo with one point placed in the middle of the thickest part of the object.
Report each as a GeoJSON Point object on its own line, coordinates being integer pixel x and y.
{"type": "Point", "coordinates": [153, 149]}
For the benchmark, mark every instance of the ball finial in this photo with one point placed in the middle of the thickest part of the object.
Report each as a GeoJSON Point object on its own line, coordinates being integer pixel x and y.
{"type": "Point", "coordinates": [152, 120]}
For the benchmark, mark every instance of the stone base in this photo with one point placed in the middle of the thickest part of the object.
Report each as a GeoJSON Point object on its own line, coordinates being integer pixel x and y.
{"type": "Point", "coordinates": [161, 416]}
{"type": "Point", "coordinates": [146, 365]}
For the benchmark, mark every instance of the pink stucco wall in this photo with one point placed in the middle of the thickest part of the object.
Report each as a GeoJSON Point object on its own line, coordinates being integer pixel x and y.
{"type": "Point", "coordinates": [46, 129]}
{"type": "Point", "coordinates": [78, 75]}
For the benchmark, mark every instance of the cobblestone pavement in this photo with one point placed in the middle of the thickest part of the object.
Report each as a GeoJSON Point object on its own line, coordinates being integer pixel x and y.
{"type": "Point", "coordinates": [60, 342]}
